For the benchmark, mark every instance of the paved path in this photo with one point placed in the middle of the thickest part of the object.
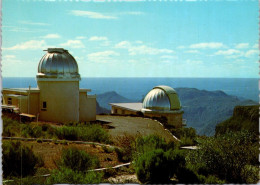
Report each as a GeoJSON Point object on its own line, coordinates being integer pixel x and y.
{"type": "Point", "coordinates": [134, 126]}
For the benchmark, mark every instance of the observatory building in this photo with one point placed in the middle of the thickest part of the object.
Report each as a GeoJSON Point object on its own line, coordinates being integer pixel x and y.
{"type": "Point", "coordinates": [161, 101]}
{"type": "Point", "coordinates": [58, 97]}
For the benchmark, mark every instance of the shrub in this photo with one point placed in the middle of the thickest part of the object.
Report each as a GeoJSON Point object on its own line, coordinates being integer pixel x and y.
{"type": "Point", "coordinates": [10, 127]}
{"type": "Point", "coordinates": [211, 179]}
{"type": "Point", "coordinates": [18, 160]}
{"type": "Point", "coordinates": [226, 156]}
{"type": "Point", "coordinates": [29, 131]}
{"type": "Point", "coordinates": [158, 166]}
{"type": "Point", "coordinates": [126, 148]}
{"type": "Point", "coordinates": [85, 133]}
{"type": "Point", "coordinates": [68, 176]}
{"type": "Point", "coordinates": [30, 180]}
{"type": "Point", "coordinates": [186, 135]}
{"type": "Point", "coordinates": [78, 160]}
{"type": "Point", "coordinates": [149, 143]}
{"type": "Point", "coordinates": [107, 149]}
{"type": "Point", "coordinates": [250, 174]}
{"type": "Point", "coordinates": [186, 175]}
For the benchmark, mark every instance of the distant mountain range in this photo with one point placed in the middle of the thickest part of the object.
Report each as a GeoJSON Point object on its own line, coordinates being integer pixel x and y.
{"type": "Point", "coordinates": [111, 97]}
{"type": "Point", "coordinates": [203, 109]}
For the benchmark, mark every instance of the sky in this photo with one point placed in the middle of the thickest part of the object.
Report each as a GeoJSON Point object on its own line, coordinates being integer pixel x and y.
{"type": "Point", "coordinates": [149, 38]}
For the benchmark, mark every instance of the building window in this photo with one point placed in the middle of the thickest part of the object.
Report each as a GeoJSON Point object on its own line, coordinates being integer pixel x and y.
{"type": "Point", "coordinates": [115, 111]}
{"type": "Point", "coordinates": [44, 105]}
{"type": "Point", "coordinates": [9, 101]}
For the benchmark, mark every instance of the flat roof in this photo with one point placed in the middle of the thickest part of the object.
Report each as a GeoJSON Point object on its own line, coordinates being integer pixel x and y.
{"type": "Point", "coordinates": [22, 89]}
{"type": "Point", "coordinates": [84, 90]}
{"type": "Point", "coordinates": [129, 106]}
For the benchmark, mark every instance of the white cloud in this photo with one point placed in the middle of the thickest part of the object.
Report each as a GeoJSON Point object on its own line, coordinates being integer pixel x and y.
{"type": "Point", "coordinates": [139, 42]}
{"type": "Point", "coordinates": [143, 49]}
{"type": "Point", "coordinates": [92, 15]}
{"type": "Point", "coordinates": [251, 53]}
{"type": "Point", "coordinates": [228, 52]}
{"type": "Point", "coordinates": [51, 36]}
{"type": "Point", "coordinates": [9, 57]}
{"type": "Point", "coordinates": [255, 46]}
{"type": "Point", "coordinates": [102, 56]}
{"type": "Point", "coordinates": [242, 45]}
{"type": "Point", "coordinates": [30, 45]}
{"type": "Point", "coordinates": [132, 13]}
{"type": "Point", "coordinates": [34, 23]}
{"type": "Point", "coordinates": [96, 38]}
{"type": "Point", "coordinates": [123, 44]}
{"type": "Point", "coordinates": [209, 45]}
{"type": "Point", "coordinates": [81, 37]}
{"type": "Point", "coordinates": [73, 44]}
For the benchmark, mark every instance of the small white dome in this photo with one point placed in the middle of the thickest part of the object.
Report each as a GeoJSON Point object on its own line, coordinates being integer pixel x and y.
{"type": "Point", "coordinates": [162, 98]}
{"type": "Point", "coordinates": [58, 63]}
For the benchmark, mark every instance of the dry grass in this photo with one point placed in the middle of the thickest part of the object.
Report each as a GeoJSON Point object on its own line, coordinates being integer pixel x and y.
{"type": "Point", "coordinates": [51, 153]}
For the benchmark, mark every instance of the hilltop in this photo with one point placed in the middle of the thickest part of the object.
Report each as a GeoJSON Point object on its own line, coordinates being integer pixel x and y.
{"type": "Point", "coordinates": [202, 109]}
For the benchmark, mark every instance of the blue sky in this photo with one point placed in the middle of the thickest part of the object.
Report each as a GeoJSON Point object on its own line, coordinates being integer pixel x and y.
{"type": "Point", "coordinates": [134, 39]}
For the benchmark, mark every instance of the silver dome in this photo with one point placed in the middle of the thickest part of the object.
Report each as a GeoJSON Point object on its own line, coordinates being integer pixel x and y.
{"type": "Point", "coordinates": [162, 98]}
{"type": "Point", "coordinates": [58, 63]}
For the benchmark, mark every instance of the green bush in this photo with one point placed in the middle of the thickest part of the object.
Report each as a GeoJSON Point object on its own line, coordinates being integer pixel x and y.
{"type": "Point", "coordinates": [186, 135]}
{"type": "Point", "coordinates": [30, 180]}
{"type": "Point", "coordinates": [78, 160]}
{"type": "Point", "coordinates": [68, 176]}
{"type": "Point", "coordinates": [84, 133]}
{"type": "Point", "coordinates": [158, 166]}
{"type": "Point", "coordinates": [18, 160]}
{"type": "Point", "coordinates": [126, 144]}
{"type": "Point", "coordinates": [149, 143]}
{"type": "Point", "coordinates": [250, 174]}
{"type": "Point", "coordinates": [10, 127]}
{"type": "Point", "coordinates": [226, 156]}
{"type": "Point", "coordinates": [211, 179]}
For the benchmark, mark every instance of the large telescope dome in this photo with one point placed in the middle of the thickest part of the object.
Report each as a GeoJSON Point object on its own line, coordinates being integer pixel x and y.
{"type": "Point", "coordinates": [162, 98]}
{"type": "Point", "coordinates": [58, 63]}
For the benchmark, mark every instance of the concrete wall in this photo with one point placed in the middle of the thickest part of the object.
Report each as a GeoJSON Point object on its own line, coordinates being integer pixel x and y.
{"type": "Point", "coordinates": [34, 101]}
{"type": "Point", "coordinates": [62, 98]}
{"type": "Point", "coordinates": [87, 107]}
{"type": "Point", "coordinates": [23, 105]}
{"type": "Point", "coordinates": [121, 111]}
{"type": "Point", "coordinates": [174, 119]}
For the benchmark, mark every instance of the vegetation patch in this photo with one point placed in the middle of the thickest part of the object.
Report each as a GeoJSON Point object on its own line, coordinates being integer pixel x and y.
{"type": "Point", "coordinates": [19, 160]}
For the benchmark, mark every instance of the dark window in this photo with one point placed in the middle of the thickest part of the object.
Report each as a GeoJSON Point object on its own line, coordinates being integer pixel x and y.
{"type": "Point", "coordinates": [44, 105]}
{"type": "Point", "coordinates": [9, 101]}
{"type": "Point", "coordinates": [115, 111]}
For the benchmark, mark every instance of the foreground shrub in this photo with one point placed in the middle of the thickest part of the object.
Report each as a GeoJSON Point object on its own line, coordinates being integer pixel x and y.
{"type": "Point", "coordinates": [84, 133]}
{"type": "Point", "coordinates": [227, 156]}
{"type": "Point", "coordinates": [186, 135]}
{"type": "Point", "coordinates": [126, 148]}
{"type": "Point", "coordinates": [18, 160]}
{"type": "Point", "coordinates": [158, 166]}
{"type": "Point", "coordinates": [10, 127]}
{"type": "Point", "coordinates": [78, 160]}
{"type": "Point", "coordinates": [151, 142]}
{"type": "Point", "coordinates": [68, 176]}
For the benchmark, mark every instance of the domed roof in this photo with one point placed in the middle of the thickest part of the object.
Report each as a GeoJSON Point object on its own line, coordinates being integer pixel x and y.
{"type": "Point", "coordinates": [58, 63]}
{"type": "Point", "coordinates": [162, 98]}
